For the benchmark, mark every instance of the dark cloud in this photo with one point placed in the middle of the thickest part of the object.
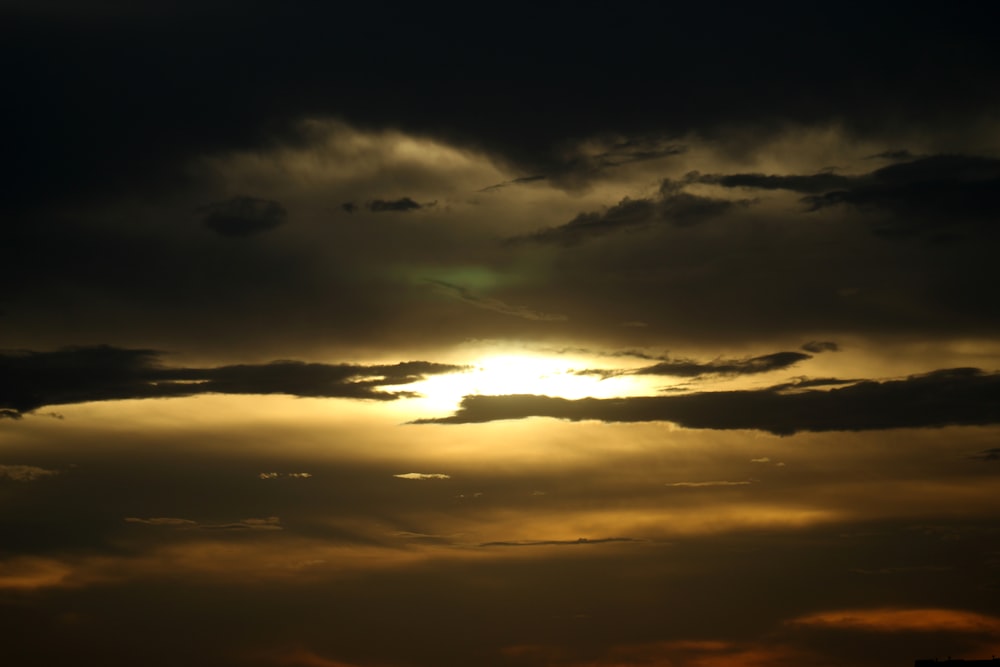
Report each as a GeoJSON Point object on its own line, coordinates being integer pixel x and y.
{"type": "Point", "coordinates": [671, 205]}
{"type": "Point", "coordinates": [930, 192]}
{"type": "Point", "coordinates": [753, 365]}
{"type": "Point", "coordinates": [30, 380]}
{"type": "Point", "coordinates": [988, 455]}
{"type": "Point", "coordinates": [818, 346]}
{"type": "Point", "coordinates": [349, 207]}
{"type": "Point", "coordinates": [899, 154]}
{"type": "Point", "coordinates": [243, 216]}
{"type": "Point", "coordinates": [516, 181]}
{"type": "Point", "coordinates": [815, 183]}
{"type": "Point", "coordinates": [960, 396]}
{"type": "Point", "coordinates": [179, 83]}
{"type": "Point", "coordinates": [691, 369]}
{"type": "Point", "coordinates": [399, 205]}
{"type": "Point", "coordinates": [921, 194]}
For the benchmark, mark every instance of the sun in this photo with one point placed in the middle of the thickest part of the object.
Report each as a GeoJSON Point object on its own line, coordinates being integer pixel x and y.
{"type": "Point", "coordinates": [521, 373]}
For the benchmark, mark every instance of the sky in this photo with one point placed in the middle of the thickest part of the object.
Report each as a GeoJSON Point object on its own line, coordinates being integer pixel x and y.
{"type": "Point", "coordinates": [529, 335]}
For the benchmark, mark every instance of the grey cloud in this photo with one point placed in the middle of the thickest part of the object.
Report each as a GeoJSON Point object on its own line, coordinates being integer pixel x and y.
{"type": "Point", "coordinates": [958, 396]}
{"type": "Point", "coordinates": [29, 380]}
{"type": "Point", "coordinates": [670, 205]}
{"type": "Point", "coordinates": [243, 216]}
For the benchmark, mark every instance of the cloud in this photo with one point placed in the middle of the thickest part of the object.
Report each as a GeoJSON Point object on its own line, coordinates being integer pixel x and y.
{"type": "Point", "coordinates": [813, 183]}
{"type": "Point", "coordinates": [692, 369]}
{"type": "Point", "coordinates": [496, 305]}
{"type": "Point", "coordinates": [243, 216]}
{"type": "Point", "coordinates": [988, 455]}
{"type": "Point", "coordinates": [929, 192]}
{"type": "Point", "coordinates": [893, 620]}
{"type": "Point", "coordinates": [29, 380]}
{"type": "Point", "coordinates": [712, 483]}
{"type": "Point", "coordinates": [898, 154]}
{"type": "Point", "coordinates": [926, 193]}
{"type": "Point", "coordinates": [818, 346]}
{"type": "Point", "coordinates": [517, 181]}
{"type": "Point", "coordinates": [398, 205]}
{"type": "Point", "coordinates": [762, 364]}
{"type": "Point", "coordinates": [583, 541]}
{"type": "Point", "coordinates": [22, 473]}
{"type": "Point", "coordinates": [959, 396]}
{"type": "Point", "coordinates": [161, 521]}
{"type": "Point", "coordinates": [670, 205]}
{"type": "Point", "coordinates": [423, 475]}
{"type": "Point", "coordinates": [289, 475]}
{"type": "Point", "coordinates": [265, 523]}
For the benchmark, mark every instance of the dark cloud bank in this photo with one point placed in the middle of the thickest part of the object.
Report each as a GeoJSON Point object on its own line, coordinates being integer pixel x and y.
{"type": "Point", "coordinates": [921, 194]}
{"type": "Point", "coordinates": [30, 380]}
{"type": "Point", "coordinates": [959, 396]}
{"type": "Point", "coordinates": [671, 205]}
{"type": "Point", "coordinates": [244, 74]}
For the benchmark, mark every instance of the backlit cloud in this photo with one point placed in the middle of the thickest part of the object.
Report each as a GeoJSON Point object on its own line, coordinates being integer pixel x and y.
{"type": "Point", "coordinates": [23, 473]}
{"type": "Point", "coordinates": [423, 475]}
{"type": "Point", "coordinates": [903, 620]}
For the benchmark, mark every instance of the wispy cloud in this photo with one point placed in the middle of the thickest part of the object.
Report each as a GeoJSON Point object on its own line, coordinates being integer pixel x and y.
{"type": "Point", "coordinates": [423, 475]}
{"type": "Point", "coordinates": [546, 543]}
{"type": "Point", "coordinates": [264, 523]}
{"type": "Point", "coordinates": [161, 521]}
{"type": "Point", "coordinates": [496, 305]}
{"type": "Point", "coordinates": [903, 620]}
{"type": "Point", "coordinates": [713, 483]}
{"type": "Point", "coordinates": [23, 473]}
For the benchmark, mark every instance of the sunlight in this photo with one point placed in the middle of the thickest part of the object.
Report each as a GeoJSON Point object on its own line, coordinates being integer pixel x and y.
{"type": "Point", "coordinates": [520, 374]}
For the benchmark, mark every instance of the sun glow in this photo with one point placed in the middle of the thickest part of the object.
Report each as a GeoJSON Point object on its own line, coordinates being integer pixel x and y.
{"type": "Point", "coordinates": [503, 374]}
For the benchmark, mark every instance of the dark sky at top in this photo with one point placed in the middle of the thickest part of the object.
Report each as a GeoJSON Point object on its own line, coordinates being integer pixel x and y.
{"type": "Point", "coordinates": [515, 335]}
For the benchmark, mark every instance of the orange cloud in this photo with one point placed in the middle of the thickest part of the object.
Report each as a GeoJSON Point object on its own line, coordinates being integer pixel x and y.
{"type": "Point", "coordinates": [903, 620]}
{"type": "Point", "coordinates": [304, 658]}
